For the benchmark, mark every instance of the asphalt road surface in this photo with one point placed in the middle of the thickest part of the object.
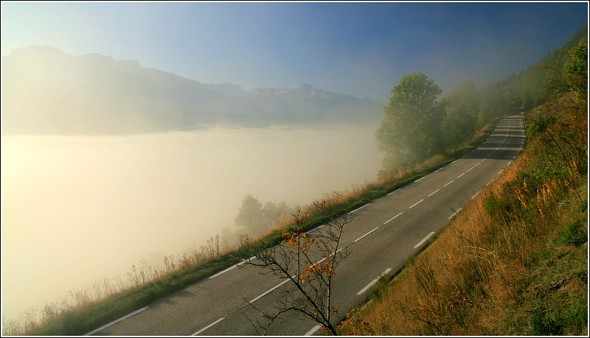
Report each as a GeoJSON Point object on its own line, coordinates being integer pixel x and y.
{"type": "Point", "coordinates": [382, 236]}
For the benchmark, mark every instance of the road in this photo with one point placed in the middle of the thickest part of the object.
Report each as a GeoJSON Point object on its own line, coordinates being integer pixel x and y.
{"type": "Point", "coordinates": [382, 236]}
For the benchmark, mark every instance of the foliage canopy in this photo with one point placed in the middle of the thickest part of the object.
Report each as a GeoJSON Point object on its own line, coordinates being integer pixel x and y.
{"type": "Point", "coordinates": [410, 128]}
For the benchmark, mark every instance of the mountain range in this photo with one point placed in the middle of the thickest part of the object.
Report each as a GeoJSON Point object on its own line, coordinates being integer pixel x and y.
{"type": "Point", "coordinates": [46, 91]}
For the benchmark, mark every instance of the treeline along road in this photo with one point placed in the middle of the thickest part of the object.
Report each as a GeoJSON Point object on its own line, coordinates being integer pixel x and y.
{"type": "Point", "coordinates": [381, 237]}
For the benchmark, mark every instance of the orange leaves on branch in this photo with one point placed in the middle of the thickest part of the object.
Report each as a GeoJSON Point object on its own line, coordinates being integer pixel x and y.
{"type": "Point", "coordinates": [322, 268]}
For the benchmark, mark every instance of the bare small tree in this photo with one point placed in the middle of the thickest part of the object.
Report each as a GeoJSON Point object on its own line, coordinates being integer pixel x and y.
{"type": "Point", "coordinates": [308, 261]}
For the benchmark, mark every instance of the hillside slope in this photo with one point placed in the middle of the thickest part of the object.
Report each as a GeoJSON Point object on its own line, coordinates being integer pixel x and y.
{"type": "Point", "coordinates": [515, 261]}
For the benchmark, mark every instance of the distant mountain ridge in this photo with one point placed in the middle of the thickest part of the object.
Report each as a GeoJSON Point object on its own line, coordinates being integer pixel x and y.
{"type": "Point", "coordinates": [46, 91]}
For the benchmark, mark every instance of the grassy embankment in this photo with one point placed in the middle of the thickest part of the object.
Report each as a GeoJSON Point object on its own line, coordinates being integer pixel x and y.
{"type": "Point", "coordinates": [105, 301]}
{"type": "Point", "coordinates": [515, 261]}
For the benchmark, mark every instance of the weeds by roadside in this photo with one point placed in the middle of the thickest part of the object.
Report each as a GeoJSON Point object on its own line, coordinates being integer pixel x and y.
{"type": "Point", "coordinates": [106, 300]}
{"type": "Point", "coordinates": [514, 262]}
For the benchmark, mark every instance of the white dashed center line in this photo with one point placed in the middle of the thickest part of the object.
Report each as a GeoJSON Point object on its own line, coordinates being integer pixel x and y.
{"type": "Point", "coordinates": [269, 291]}
{"type": "Point", "coordinates": [365, 235]}
{"type": "Point", "coordinates": [394, 217]}
{"type": "Point", "coordinates": [208, 326]}
{"type": "Point", "coordinates": [415, 204]}
{"type": "Point", "coordinates": [434, 192]}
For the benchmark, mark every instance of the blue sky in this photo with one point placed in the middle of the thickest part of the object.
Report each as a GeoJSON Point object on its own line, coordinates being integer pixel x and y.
{"type": "Point", "coordinates": [361, 49]}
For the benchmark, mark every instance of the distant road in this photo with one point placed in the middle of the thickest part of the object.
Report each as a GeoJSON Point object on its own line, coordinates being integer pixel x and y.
{"type": "Point", "coordinates": [382, 236]}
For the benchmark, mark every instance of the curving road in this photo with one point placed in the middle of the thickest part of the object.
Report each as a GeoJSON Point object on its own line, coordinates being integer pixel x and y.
{"type": "Point", "coordinates": [381, 237]}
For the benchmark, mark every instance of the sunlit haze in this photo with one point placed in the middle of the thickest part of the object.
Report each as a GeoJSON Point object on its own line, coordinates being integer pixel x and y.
{"type": "Point", "coordinates": [133, 131]}
{"type": "Point", "coordinates": [76, 209]}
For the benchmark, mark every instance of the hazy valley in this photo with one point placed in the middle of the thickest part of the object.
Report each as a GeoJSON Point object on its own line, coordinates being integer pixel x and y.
{"type": "Point", "coordinates": [91, 206]}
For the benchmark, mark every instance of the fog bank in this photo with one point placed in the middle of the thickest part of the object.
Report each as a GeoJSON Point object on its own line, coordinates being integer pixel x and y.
{"type": "Point", "coordinates": [77, 208]}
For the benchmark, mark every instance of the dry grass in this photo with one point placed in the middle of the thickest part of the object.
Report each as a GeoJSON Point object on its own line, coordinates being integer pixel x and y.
{"type": "Point", "coordinates": [142, 276]}
{"type": "Point", "coordinates": [470, 281]}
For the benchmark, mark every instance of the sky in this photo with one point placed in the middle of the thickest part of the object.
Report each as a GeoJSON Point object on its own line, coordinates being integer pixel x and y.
{"type": "Point", "coordinates": [360, 48]}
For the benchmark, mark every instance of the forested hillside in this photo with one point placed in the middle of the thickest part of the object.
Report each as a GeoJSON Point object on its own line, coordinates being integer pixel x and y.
{"type": "Point", "coordinates": [515, 260]}
{"type": "Point", "coordinates": [420, 122]}
{"type": "Point", "coordinates": [528, 89]}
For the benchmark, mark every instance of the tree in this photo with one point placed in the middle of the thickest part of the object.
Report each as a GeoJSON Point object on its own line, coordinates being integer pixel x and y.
{"type": "Point", "coordinates": [410, 130]}
{"type": "Point", "coordinates": [562, 122]}
{"type": "Point", "coordinates": [255, 218]}
{"type": "Point", "coordinates": [309, 262]}
{"type": "Point", "coordinates": [576, 70]}
{"type": "Point", "coordinates": [462, 109]}
{"type": "Point", "coordinates": [250, 215]}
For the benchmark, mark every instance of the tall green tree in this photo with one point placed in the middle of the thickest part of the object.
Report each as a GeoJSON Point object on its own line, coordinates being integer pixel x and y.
{"type": "Point", "coordinates": [576, 70]}
{"type": "Point", "coordinates": [462, 114]}
{"type": "Point", "coordinates": [410, 130]}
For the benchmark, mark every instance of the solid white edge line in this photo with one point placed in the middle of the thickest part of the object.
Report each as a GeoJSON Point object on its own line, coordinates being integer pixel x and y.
{"type": "Point", "coordinates": [116, 321]}
{"type": "Point", "coordinates": [357, 209]}
{"type": "Point", "coordinates": [415, 204]}
{"type": "Point", "coordinates": [434, 192]}
{"type": "Point", "coordinates": [477, 193]}
{"type": "Point", "coordinates": [363, 290]}
{"type": "Point", "coordinates": [420, 179]}
{"type": "Point", "coordinates": [315, 229]}
{"type": "Point", "coordinates": [224, 271]}
{"type": "Point", "coordinates": [269, 291]}
{"type": "Point", "coordinates": [456, 212]}
{"type": "Point", "coordinates": [246, 260]}
{"type": "Point", "coordinates": [313, 330]}
{"type": "Point", "coordinates": [393, 191]}
{"type": "Point", "coordinates": [394, 217]}
{"type": "Point", "coordinates": [208, 326]}
{"type": "Point", "coordinates": [365, 235]}
{"type": "Point", "coordinates": [424, 240]}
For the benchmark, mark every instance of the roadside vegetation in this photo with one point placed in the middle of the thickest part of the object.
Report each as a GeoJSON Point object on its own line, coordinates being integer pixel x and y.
{"type": "Point", "coordinates": [548, 192]}
{"type": "Point", "coordinates": [515, 261]}
{"type": "Point", "coordinates": [106, 300]}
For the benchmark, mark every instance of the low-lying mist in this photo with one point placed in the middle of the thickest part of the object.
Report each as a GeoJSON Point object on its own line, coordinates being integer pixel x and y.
{"type": "Point", "coordinates": [76, 209]}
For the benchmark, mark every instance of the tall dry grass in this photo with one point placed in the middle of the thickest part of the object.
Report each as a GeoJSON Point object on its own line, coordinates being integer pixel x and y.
{"type": "Point", "coordinates": [477, 268]}
{"type": "Point", "coordinates": [139, 276]}
{"type": "Point", "coordinates": [143, 276]}
{"type": "Point", "coordinates": [462, 283]}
